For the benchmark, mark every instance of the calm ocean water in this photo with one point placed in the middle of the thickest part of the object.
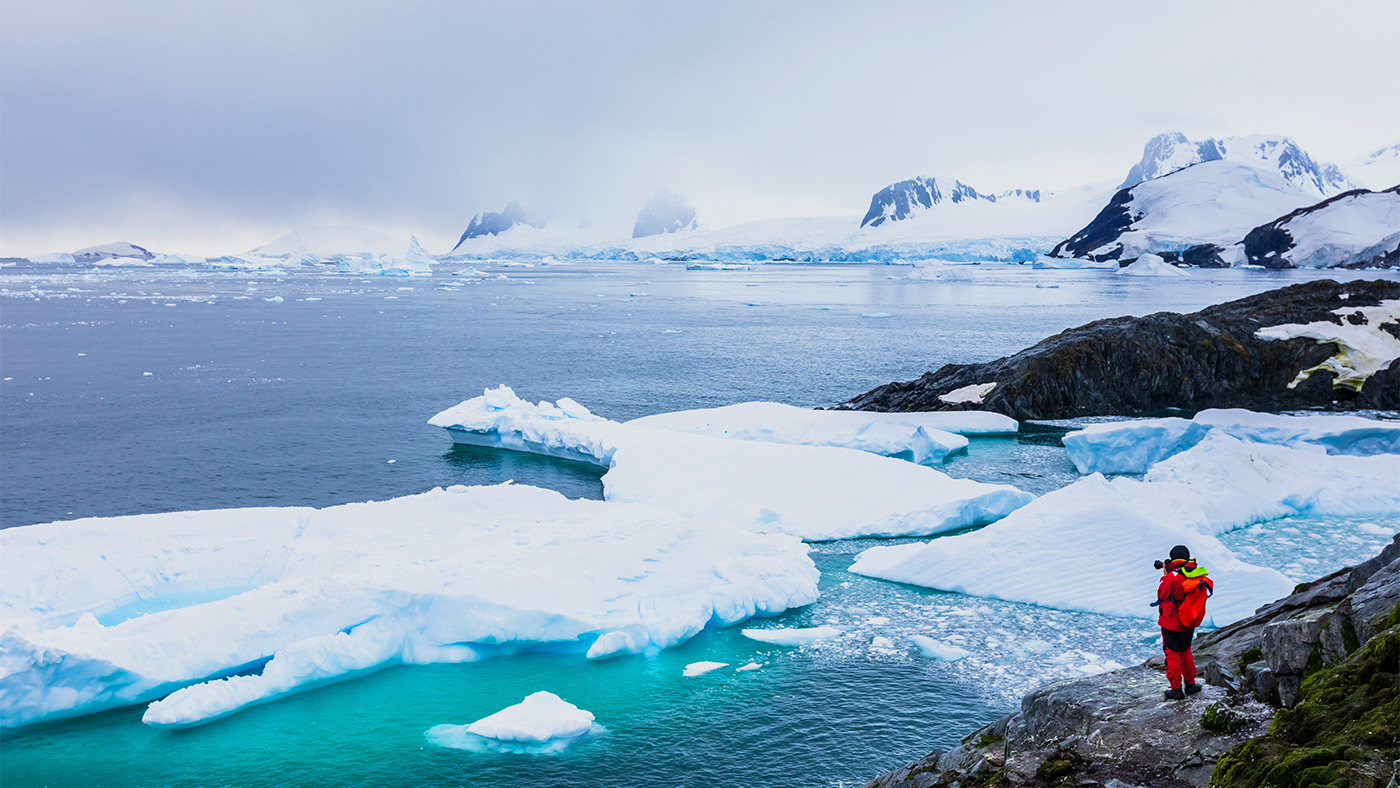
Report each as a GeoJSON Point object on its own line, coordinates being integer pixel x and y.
{"type": "Point", "coordinates": [139, 391]}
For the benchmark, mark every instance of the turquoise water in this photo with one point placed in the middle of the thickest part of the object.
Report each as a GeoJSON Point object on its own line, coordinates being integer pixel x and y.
{"type": "Point", "coordinates": [307, 401]}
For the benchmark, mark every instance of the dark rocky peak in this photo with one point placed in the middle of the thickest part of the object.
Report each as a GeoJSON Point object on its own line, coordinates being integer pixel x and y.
{"type": "Point", "coordinates": [1168, 152]}
{"type": "Point", "coordinates": [899, 201]}
{"type": "Point", "coordinates": [1365, 218]}
{"type": "Point", "coordinates": [664, 213]}
{"type": "Point", "coordinates": [486, 223]}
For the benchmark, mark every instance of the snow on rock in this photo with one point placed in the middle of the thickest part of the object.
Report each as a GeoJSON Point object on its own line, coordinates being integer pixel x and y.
{"type": "Point", "coordinates": [1151, 265]}
{"type": "Point", "coordinates": [1172, 151]}
{"type": "Point", "coordinates": [973, 393]}
{"type": "Point", "coordinates": [542, 723]}
{"type": "Point", "coordinates": [701, 668]}
{"type": "Point", "coordinates": [1130, 446]}
{"type": "Point", "coordinates": [1088, 546]}
{"type": "Point", "coordinates": [1135, 446]}
{"type": "Point", "coordinates": [938, 650]}
{"type": "Point", "coordinates": [324, 595]}
{"type": "Point", "coordinates": [664, 213]}
{"type": "Point", "coordinates": [1364, 347]}
{"type": "Point", "coordinates": [1358, 229]}
{"type": "Point", "coordinates": [815, 492]}
{"type": "Point", "coordinates": [793, 636]}
{"type": "Point", "coordinates": [912, 436]}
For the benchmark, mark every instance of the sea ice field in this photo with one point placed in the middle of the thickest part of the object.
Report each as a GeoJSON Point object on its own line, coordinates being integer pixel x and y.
{"type": "Point", "coordinates": [161, 390]}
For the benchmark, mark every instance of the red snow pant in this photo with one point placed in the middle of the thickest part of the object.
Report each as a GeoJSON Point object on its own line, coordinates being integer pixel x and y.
{"type": "Point", "coordinates": [1180, 666]}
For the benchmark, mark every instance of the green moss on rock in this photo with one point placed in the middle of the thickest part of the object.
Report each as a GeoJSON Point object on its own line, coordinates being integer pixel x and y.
{"type": "Point", "coordinates": [1346, 723]}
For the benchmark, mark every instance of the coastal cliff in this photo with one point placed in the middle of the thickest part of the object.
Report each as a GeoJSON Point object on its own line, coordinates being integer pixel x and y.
{"type": "Point", "coordinates": [1306, 692]}
{"type": "Point", "coordinates": [1251, 353]}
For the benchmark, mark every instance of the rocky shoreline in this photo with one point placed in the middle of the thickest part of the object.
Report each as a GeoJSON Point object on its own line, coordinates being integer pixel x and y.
{"type": "Point", "coordinates": [1304, 692]}
{"type": "Point", "coordinates": [1166, 361]}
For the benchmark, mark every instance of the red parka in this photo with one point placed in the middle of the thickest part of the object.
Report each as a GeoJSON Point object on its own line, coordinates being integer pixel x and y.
{"type": "Point", "coordinates": [1170, 593]}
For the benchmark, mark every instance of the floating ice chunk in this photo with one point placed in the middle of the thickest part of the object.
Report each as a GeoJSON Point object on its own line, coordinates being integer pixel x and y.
{"type": "Point", "coordinates": [882, 644]}
{"type": "Point", "coordinates": [1130, 446]}
{"type": "Point", "coordinates": [877, 314]}
{"type": "Point", "coordinates": [701, 668]}
{"type": "Point", "coordinates": [879, 433]}
{"type": "Point", "coordinates": [748, 667]}
{"type": "Point", "coordinates": [274, 300]}
{"type": "Point", "coordinates": [718, 267]}
{"type": "Point", "coordinates": [124, 262]}
{"type": "Point", "coordinates": [446, 576]}
{"type": "Point", "coordinates": [1362, 350]}
{"type": "Point", "coordinates": [1236, 483]}
{"type": "Point", "coordinates": [911, 436]}
{"type": "Point", "coordinates": [1372, 528]}
{"type": "Point", "coordinates": [1134, 446]}
{"type": "Point", "coordinates": [972, 393]}
{"type": "Point", "coordinates": [246, 263]}
{"type": "Point", "coordinates": [795, 636]}
{"type": "Point", "coordinates": [1151, 265]}
{"type": "Point", "coordinates": [541, 716]}
{"type": "Point", "coordinates": [51, 257]}
{"type": "Point", "coordinates": [542, 723]}
{"type": "Point", "coordinates": [816, 492]}
{"type": "Point", "coordinates": [937, 649]}
{"type": "Point", "coordinates": [1109, 532]}
{"type": "Point", "coordinates": [1043, 262]}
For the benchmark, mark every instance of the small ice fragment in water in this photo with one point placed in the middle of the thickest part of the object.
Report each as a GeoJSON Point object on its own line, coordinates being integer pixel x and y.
{"type": "Point", "coordinates": [701, 668]}
{"type": "Point", "coordinates": [748, 667]}
{"type": "Point", "coordinates": [877, 314]}
{"type": "Point", "coordinates": [791, 637]}
{"type": "Point", "coordinates": [934, 649]}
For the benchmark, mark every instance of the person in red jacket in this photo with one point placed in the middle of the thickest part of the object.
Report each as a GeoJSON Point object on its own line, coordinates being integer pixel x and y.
{"type": "Point", "coordinates": [1176, 636]}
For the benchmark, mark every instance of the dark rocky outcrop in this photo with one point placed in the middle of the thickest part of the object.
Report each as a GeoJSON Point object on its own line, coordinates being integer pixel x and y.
{"type": "Point", "coordinates": [1336, 641]}
{"type": "Point", "coordinates": [1270, 245]}
{"type": "Point", "coordinates": [485, 223]}
{"type": "Point", "coordinates": [664, 213]}
{"type": "Point", "coordinates": [1111, 222]}
{"type": "Point", "coordinates": [1164, 361]}
{"type": "Point", "coordinates": [1204, 256]}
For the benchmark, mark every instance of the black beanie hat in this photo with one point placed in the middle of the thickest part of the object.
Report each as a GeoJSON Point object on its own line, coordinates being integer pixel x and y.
{"type": "Point", "coordinates": [1180, 553]}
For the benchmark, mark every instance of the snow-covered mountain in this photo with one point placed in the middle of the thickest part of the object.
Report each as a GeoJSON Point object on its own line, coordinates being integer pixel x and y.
{"type": "Point", "coordinates": [903, 200]}
{"type": "Point", "coordinates": [664, 213]}
{"type": "Point", "coordinates": [108, 251]}
{"type": "Point", "coordinates": [1357, 229]}
{"type": "Point", "coordinates": [485, 223]}
{"type": "Point", "coordinates": [1166, 153]}
{"type": "Point", "coordinates": [1215, 202]}
{"type": "Point", "coordinates": [1379, 170]}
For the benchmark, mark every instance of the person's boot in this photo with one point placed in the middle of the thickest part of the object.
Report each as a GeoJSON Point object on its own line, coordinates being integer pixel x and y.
{"type": "Point", "coordinates": [1174, 694]}
{"type": "Point", "coordinates": [1193, 688]}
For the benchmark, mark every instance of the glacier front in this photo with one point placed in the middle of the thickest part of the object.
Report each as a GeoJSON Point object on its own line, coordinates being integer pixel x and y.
{"type": "Point", "coordinates": [106, 612]}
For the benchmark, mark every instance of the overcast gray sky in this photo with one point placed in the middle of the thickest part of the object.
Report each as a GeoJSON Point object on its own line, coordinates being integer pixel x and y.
{"type": "Point", "coordinates": [215, 126]}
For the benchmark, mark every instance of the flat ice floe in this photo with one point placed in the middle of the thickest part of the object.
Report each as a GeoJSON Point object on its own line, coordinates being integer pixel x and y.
{"type": "Point", "coordinates": [322, 595]}
{"type": "Point", "coordinates": [542, 723]}
{"type": "Point", "coordinates": [1088, 546]}
{"type": "Point", "coordinates": [792, 636]}
{"type": "Point", "coordinates": [920, 437]}
{"type": "Point", "coordinates": [1134, 446]}
{"type": "Point", "coordinates": [815, 492]}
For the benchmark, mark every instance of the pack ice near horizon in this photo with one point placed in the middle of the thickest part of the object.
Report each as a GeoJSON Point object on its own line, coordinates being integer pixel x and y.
{"type": "Point", "coordinates": [1238, 201]}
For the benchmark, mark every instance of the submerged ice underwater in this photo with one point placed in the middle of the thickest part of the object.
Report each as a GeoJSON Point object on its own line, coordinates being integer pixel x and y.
{"type": "Point", "coordinates": [856, 650]}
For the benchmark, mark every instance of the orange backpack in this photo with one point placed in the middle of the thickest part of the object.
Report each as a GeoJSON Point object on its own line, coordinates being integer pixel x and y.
{"type": "Point", "coordinates": [1191, 611]}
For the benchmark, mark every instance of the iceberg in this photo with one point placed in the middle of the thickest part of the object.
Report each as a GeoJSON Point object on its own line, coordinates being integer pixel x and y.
{"type": "Point", "coordinates": [1151, 265]}
{"type": "Point", "coordinates": [920, 437]}
{"type": "Point", "coordinates": [1088, 547]}
{"type": "Point", "coordinates": [1044, 262]}
{"type": "Point", "coordinates": [1130, 446]}
{"type": "Point", "coordinates": [814, 492]}
{"type": "Point", "coordinates": [51, 257]}
{"type": "Point", "coordinates": [106, 612]}
{"type": "Point", "coordinates": [123, 262]}
{"type": "Point", "coordinates": [795, 636]}
{"type": "Point", "coordinates": [542, 723]}
{"type": "Point", "coordinates": [701, 668]}
{"type": "Point", "coordinates": [1135, 446]}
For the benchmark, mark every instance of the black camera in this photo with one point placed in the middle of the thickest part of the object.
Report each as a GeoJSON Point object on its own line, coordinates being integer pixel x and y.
{"type": "Point", "coordinates": [1157, 564]}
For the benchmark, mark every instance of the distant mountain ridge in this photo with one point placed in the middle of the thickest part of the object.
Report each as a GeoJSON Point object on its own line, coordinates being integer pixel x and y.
{"type": "Point", "coordinates": [900, 201]}
{"type": "Point", "coordinates": [486, 223]}
{"type": "Point", "coordinates": [1172, 151]}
